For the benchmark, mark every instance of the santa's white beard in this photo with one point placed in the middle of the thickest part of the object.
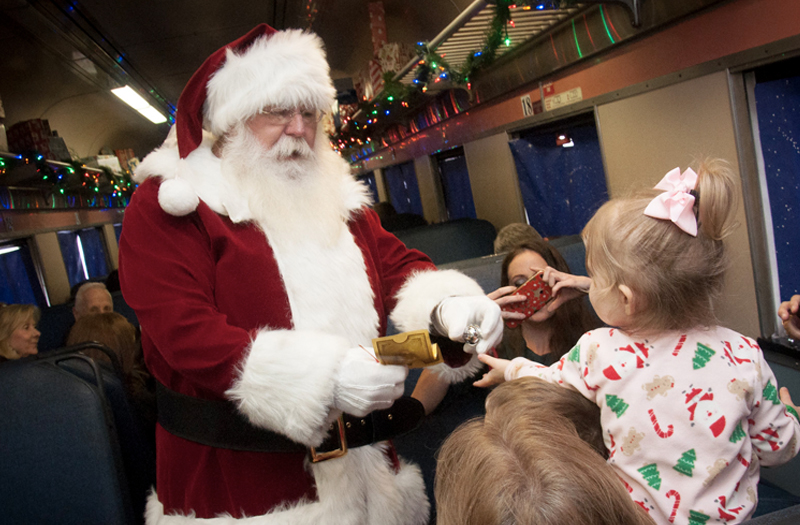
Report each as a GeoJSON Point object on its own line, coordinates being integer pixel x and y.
{"type": "Point", "coordinates": [289, 195]}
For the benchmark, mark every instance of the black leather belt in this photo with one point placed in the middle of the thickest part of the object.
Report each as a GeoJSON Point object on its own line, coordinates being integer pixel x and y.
{"type": "Point", "coordinates": [218, 423]}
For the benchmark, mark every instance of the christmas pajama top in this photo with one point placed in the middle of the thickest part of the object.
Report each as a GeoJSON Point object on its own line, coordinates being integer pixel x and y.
{"type": "Point", "coordinates": [687, 418]}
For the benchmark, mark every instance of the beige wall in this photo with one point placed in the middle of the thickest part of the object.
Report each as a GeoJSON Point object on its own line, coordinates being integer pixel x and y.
{"type": "Point", "coordinates": [380, 185]}
{"type": "Point", "coordinates": [430, 190]}
{"type": "Point", "coordinates": [52, 265]}
{"type": "Point", "coordinates": [645, 136]}
{"type": "Point", "coordinates": [493, 177]}
{"type": "Point", "coordinates": [112, 249]}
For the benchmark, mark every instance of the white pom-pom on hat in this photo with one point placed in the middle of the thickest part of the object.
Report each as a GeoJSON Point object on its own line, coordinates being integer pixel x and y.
{"type": "Point", "coordinates": [177, 197]}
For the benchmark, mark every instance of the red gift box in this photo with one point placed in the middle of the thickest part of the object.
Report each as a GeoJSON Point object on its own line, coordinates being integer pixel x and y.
{"type": "Point", "coordinates": [31, 135]}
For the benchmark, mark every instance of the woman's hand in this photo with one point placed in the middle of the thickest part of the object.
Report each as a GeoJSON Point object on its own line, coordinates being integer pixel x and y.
{"type": "Point", "coordinates": [788, 312]}
{"type": "Point", "coordinates": [501, 297]}
{"type": "Point", "coordinates": [496, 373]}
{"type": "Point", "coordinates": [565, 287]}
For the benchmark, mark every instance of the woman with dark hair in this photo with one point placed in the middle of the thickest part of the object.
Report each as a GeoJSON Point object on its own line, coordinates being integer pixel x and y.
{"type": "Point", "coordinates": [544, 337]}
{"type": "Point", "coordinates": [549, 333]}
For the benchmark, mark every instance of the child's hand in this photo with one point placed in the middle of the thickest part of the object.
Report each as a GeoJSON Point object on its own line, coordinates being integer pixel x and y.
{"type": "Point", "coordinates": [788, 312]}
{"type": "Point", "coordinates": [496, 374]}
{"type": "Point", "coordinates": [786, 399]}
{"type": "Point", "coordinates": [501, 297]}
{"type": "Point", "coordinates": [565, 286]}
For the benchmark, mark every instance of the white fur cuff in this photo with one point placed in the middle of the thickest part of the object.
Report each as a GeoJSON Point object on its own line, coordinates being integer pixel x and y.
{"type": "Point", "coordinates": [423, 291]}
{"type": "Point", "coordinates": [417, 298]}
{"type": "Point", "coordinates": [286, 382]}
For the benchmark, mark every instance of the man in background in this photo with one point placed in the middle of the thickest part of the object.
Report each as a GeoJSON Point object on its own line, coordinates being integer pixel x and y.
{"type": "Point", "coordinates": [92, 298]}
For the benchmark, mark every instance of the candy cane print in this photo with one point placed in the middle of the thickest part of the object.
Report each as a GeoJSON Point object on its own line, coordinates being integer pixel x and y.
{"type": "Point", "coordinates": [679, 345]}
{"type": "Point", "coordinates": [657, 427]}
{"type": "Point", "coordinates": [675, 505]}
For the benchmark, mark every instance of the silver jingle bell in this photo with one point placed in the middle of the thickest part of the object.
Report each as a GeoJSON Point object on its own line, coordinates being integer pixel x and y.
{"type": "Point", "coordinates": [472, 334]}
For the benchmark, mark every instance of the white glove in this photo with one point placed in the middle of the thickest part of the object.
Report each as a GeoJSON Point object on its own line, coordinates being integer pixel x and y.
{"type": "Point", "coordinates": [364, 385]}
{"type": "Point", "coordinates": [453, 315]}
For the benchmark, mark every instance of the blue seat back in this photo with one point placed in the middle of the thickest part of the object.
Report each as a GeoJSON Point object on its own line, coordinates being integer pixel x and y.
{"type": "Point", "coordinates": [136, 435]}
{"type": "Point", "coordinates": [451, 241]}
{"type": "Point", "coordinates": [61, 457]}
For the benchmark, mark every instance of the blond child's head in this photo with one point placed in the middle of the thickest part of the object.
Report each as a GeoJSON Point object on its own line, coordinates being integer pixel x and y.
{"type": "Point", "coordinates": [651, 274]}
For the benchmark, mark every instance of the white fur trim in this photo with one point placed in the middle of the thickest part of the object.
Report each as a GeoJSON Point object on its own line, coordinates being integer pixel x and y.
{"type": "Point", "coordinates": [286, 69]}
{"type": "Point", "coordinates": [418, 297]}
{"type": "Point", "coordinates": [423, 291]}
{"type": "Point", "coordinates": [286, 382]}
{"type": "Point", "coordinates": [456, 375]}
{"type": "Point", "coordinates": [201, 170]}
{"type": "Point", "coordinates": [176, 197]}
{"type": "Point", "coordinates": [358, 489]}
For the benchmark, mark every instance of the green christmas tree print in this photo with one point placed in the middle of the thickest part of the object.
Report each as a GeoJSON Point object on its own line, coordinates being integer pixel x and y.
{"type": "Point", "coordinates": [575, 354]}
{"type": "Point", "coordinates": [793, 412]}
{"type": "Point", "coordinates": [616, 404]}
{"type": "Point", "coordinates": [738, 433]}
{"type": "Point", "coordinates": [702, 355]}
{"type": "Point", "coordinates": [686, 463]}
{"type": "Point", "coordinates": [770, 393]}
{"type": "Point", "coordinates": [697, 518]}
{"type": "Point", "coordinates": [651, 475]}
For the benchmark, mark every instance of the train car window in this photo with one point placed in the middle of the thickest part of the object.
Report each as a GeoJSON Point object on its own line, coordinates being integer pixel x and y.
{"type": "Point", "coordinates": [777, 98]}
{"type": "Point", "coordinates": [19, 282]}
{"type": "Point", "coordinates": [561, 175]}
{"type": "Point", "coordinates": [369, 180]}
{"type": "Point", "coordinates": [401, 181]}
{"type": "Point", "coordinates": [455, 184]}
{"type": "Point", "coordinates": [83, 253]}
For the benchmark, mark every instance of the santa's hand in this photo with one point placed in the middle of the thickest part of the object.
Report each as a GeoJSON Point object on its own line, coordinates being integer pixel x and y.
{"type": "Point", "coordinates": [474, 317]}
{"type": "Point", "coordinates": [364, 385]}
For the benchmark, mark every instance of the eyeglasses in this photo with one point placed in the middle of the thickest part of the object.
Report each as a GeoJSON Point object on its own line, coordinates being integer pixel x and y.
{"type": "Point", "coordinates": [282, 116]}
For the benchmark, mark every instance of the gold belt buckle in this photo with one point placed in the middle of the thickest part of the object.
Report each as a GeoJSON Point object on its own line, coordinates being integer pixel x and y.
{"type": "Point", "coordinates": [335, 453]}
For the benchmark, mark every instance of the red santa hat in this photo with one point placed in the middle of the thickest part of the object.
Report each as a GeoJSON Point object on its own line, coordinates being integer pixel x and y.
{"type": "Point", "coordinates": [263, 68]}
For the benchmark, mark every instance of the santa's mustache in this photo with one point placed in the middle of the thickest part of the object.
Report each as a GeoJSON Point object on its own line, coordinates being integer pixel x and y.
{"type": "Point", "coordinates": [290, 148]}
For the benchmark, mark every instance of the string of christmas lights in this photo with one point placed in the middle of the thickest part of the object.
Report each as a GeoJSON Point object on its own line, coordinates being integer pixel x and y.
{"type": "Point", "coordinates": [400, 110]}
{"type": "Point", "coordinates": [33, 182]}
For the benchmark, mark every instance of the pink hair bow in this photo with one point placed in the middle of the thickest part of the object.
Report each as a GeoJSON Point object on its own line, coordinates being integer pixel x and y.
{"type": "Point", "coordinates": [676, 203]}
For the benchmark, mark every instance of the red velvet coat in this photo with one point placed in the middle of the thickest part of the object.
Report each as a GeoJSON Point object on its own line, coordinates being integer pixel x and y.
{"type": "Point", "coordinates": [264, 318]}
{"type": "Point", "coordinates": [201, 286]}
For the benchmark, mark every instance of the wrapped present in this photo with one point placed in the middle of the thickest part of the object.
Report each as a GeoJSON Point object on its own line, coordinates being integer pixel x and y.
{"type": "Point", "coordinates": [59, 150]}
{"type": "Point", "coordinates": [31, 135]}
{"type": "Point", "coordinates": [124, 155]}
{"type": "Point", "coordinates": [393, 56]}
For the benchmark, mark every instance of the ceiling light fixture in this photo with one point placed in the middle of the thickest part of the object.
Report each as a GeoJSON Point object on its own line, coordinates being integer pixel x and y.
{"type": "Point", "coordinates": [134, 100]}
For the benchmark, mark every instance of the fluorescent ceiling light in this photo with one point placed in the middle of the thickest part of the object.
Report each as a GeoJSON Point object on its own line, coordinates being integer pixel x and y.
{"type": "Point", "coordinates": [134, 100]}
{"type": "Point", "coordinates": [8, 249]}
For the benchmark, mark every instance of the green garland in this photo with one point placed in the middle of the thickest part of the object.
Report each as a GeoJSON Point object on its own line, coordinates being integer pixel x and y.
{"type": "Point", "coordinates": [400, 101]}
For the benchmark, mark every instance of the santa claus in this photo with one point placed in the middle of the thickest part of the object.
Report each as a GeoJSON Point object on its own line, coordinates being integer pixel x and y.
{"type": "Point", "coordinates": [259, 276]}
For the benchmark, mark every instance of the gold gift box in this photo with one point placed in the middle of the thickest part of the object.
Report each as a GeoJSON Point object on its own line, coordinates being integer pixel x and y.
{"type": "Point", "coordinates": [412, 349]}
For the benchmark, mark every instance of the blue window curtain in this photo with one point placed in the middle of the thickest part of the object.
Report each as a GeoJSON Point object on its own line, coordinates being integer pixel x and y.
{"type": "Point", "coordinates": [68, 240]}
{"type": "Point", "coordinates": [403, 188]}
{"type": "Point", "coordinates": [456, 187]}
{"type": "Point", "coordinates": [20, 284]}
{"type": "Point", "coordinates": [94, 252]}
{"type": "Point", "coordinates": [369, 180]}
{"type": "Point", "coordinates": [561, 187]}
{"type": "Point", "coordinates": [777, 105]}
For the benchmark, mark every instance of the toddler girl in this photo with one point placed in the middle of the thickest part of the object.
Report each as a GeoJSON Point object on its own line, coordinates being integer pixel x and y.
{"type": "Point", "coordinates": [690, 410]}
